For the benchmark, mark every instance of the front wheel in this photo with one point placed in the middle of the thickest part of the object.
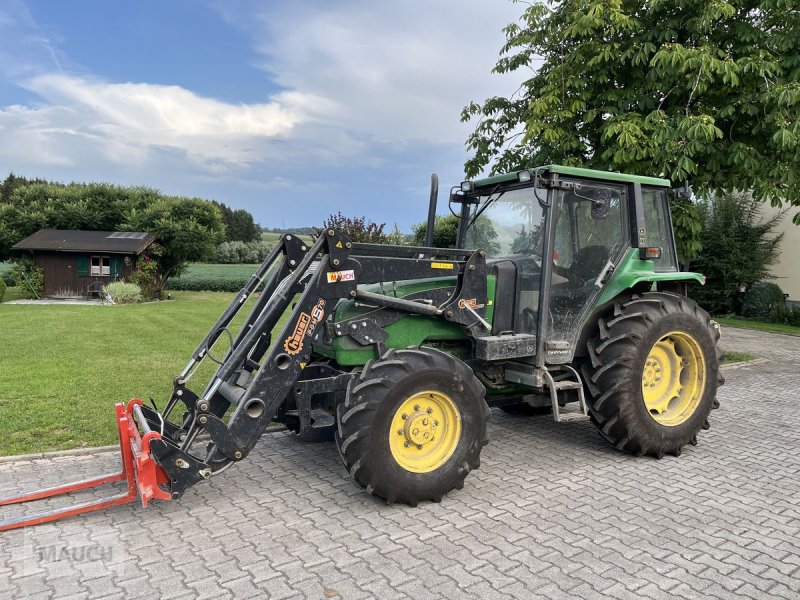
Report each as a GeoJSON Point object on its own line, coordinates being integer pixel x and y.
{"type": "Point", "coordinates": [653, 374]}
{"type": "Point", "coordinates": [412, 425]}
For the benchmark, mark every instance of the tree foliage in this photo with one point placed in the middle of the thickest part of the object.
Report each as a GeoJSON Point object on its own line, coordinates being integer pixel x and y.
{"type": "Point", "coordinates": [445, 232]}
{"type": "Point", "coordinates": [699, 90]}
{"type": "Point", "coordinates": [739, 246]}
{"type": "Point", "coordinates": [239, 224]}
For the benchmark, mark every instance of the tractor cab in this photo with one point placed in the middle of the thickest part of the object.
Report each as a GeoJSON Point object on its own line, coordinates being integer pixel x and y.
{"type": "Point", "coordinates": [554, 237]}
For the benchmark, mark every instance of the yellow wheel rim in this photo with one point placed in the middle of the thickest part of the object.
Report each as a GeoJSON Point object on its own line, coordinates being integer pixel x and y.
{"type": "Point", "coordinates": [425, 431]}
{"type": "Point", "coordinates": [674, 378]}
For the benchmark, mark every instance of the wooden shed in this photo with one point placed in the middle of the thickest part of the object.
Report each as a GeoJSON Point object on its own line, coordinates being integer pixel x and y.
{"type": "Point", "coordinates": [75, 260]}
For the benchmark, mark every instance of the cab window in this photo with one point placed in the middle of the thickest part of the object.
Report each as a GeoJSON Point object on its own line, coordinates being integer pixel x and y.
{"type": "Point", "coordinates": [658, 228]}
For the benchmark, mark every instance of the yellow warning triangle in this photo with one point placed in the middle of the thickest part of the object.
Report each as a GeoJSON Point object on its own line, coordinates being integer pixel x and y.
{"type": "Point", "coordinates": [303, 365]}
{"type": "Point", "coordinates": [339, 244]}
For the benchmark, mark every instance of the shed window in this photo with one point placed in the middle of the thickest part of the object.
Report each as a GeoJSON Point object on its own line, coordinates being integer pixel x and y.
{"type": "Point", "coordinates": [101, 265]}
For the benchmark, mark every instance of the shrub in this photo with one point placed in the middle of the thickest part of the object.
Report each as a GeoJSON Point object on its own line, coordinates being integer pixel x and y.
{"type": "Point", "coordinates": [762, 299]}
{"type": "Point", "coordinates": [30, 279]}
{"type": "Point", "coordinates": [146, 276]}
{"type": "Point", "coordinates": [786, 316]}
{"type": "Point", "coordinates": [123, 293]}
{"type": "Point", "coordinates": [240, 252]}
{"type": "Point", "coordinates": [358, 229]}
{"type": "Point", "coordinates": [738, 248]}
{"type": "Point", "coordinates": [2, 289]}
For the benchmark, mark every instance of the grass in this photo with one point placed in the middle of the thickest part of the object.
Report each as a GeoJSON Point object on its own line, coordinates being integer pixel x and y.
{"type": "Point", "coordinates": [758, 325]}
{"type": "Point", "coordinates": [731, 356]}
{"type": "Point", "coordinates": [222, 272]}
{"type": "Point", "coordinates": [64, 367]}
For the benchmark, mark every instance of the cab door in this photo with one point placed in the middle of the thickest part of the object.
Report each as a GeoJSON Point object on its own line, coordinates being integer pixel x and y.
{"type": "Point", "coordinates": [591, 235]}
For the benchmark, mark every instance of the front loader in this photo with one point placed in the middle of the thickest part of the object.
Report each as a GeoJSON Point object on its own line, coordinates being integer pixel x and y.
{"type": "Point", "coordinates": [563, 295]}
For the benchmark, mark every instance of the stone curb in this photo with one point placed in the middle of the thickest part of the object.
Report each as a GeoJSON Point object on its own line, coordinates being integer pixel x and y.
{"type": "Point", "coordinates": [89, 450]}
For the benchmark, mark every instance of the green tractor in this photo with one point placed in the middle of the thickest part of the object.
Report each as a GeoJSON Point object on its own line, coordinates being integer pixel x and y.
{"type": "Point", "coordinates": [563, 295]}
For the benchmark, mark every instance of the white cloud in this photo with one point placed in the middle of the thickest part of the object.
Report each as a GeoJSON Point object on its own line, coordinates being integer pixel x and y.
{"type": "Point", "coordinates": [397, 70]}
{"type": "Point", "coordinates": [129, 119]}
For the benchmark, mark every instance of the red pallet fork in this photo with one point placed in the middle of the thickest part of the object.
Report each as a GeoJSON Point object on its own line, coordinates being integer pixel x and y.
{"type": "Point", "coordinates": [139, 469]}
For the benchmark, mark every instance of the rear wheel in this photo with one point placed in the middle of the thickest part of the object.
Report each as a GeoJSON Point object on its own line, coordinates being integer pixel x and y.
{"type": "Point", "coordinates": [653, 373]}
{"type": "Point", "coordinates": [412, 425]}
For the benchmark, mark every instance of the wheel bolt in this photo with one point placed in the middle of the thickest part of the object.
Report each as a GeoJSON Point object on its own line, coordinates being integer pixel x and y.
{"type": "Point", "coordinates": [416, 408]}
{"type": "Point", "coordinates": [407, 444]}
{"type": "Point", "coordinates": [405, 416]}
{"type": "Point", "coordinates": [419, 447]}
{"type": "Point", "coordinates": [430, 411]}
{"type": "Point", "coordinates": [399, 432]}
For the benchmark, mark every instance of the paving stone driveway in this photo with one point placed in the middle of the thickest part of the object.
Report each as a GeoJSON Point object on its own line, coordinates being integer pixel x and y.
{"type": "Point", "coordinates": [553, 512]}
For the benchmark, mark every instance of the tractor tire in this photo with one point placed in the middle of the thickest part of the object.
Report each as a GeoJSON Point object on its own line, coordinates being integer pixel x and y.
{"type": "Point", "coordinates": [412, 425]}
{"type": "Point", "coordinates": [653, 374]}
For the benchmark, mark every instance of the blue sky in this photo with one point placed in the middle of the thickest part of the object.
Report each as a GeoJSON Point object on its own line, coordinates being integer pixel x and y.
{"type": "Point", "coordinates": [291, 110]}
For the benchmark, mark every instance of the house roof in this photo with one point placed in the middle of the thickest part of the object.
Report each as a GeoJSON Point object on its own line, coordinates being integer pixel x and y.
{"type": "Point", "coordinates": [68, 240]}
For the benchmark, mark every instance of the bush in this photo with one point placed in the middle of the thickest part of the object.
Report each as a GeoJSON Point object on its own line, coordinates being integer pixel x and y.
{"type": "Point", "coordinates": [762, 299]}
{"type": "Point", "coordinates": [358, 229]}
{"type": "Point", "coordinates": [738, 248]}
{"type": "Point", "coordinates": [123, 293]}
{"type": "Point", "coordinates": [2, 289]}
{"type": "Point", "coordinates": [29, 279]}
{"type": "Point", "coordinates": [786, 316]}
{"type": "Point", "coordinates": [240, 252]}
{"type": "Point", "coordinates": [146, 276]}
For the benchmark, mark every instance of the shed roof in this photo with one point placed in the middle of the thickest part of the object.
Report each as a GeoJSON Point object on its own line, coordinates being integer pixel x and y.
{"type": "Point", "coordinates": [71, 240]}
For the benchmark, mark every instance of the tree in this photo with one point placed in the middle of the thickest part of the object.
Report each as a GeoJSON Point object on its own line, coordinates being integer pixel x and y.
{"type": "Point", "coordinates": [445, 232]}
{"type": "Point", "coordinates": [188, 229]}
{"type": "Point", "coordinates": [739, 246]}
{"type": "Point", "coordinates": [239, 224]}
{"type": "Point", "coordinates": [700, 90]}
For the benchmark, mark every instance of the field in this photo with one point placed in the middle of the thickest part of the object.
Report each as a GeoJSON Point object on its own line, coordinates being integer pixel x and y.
{"type": "Point", "coordinates": [212, 277]}
{"type": "Point", "coordinates": [64, 367]}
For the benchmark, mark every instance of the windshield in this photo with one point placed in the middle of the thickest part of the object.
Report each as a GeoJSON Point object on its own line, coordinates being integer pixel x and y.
{"type": "Point", "coordinates": [512, 224]}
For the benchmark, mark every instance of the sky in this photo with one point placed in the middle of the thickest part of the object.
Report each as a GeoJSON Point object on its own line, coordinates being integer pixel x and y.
{"type": "Point", "coordinates": [292, 110]}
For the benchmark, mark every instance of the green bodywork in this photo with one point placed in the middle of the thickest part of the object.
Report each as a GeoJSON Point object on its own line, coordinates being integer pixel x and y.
{"type": "Point", "coordinates": [577, 172]}
{"type": "Point", "coordinates": [415, 330]}
{"type": "Point", "coordinates": [632, 271]}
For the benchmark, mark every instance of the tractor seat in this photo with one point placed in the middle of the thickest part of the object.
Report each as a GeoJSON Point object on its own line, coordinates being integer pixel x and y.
{"type": "Point", "coordinates": [588, 263]}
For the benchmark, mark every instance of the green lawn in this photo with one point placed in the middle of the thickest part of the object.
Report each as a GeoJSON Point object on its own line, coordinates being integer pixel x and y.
{"type": "Point", "coordinates": [759, 325]}
{"type": "Point", "coordinates": [731, 356]}
{"type": "Point", "coordinates": [215, 271]}
{"type": "Point", "coordinates": [64, 367]}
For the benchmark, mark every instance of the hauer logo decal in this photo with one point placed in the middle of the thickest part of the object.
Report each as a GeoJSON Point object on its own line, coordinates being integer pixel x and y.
{"type": "Point", "coordinates": [336, 276]}
{"type": "Point", "coordinates": [305, 326]}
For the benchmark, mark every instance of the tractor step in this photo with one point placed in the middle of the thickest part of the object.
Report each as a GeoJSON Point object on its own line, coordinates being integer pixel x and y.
{"type": "Point", "coordinates": [572, 417]}
{"type": "Point", "coordinates": [574, 383]}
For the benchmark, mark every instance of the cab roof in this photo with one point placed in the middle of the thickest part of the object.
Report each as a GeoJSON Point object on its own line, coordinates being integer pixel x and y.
{"type": "Point", "coordinates": [577, 172]}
